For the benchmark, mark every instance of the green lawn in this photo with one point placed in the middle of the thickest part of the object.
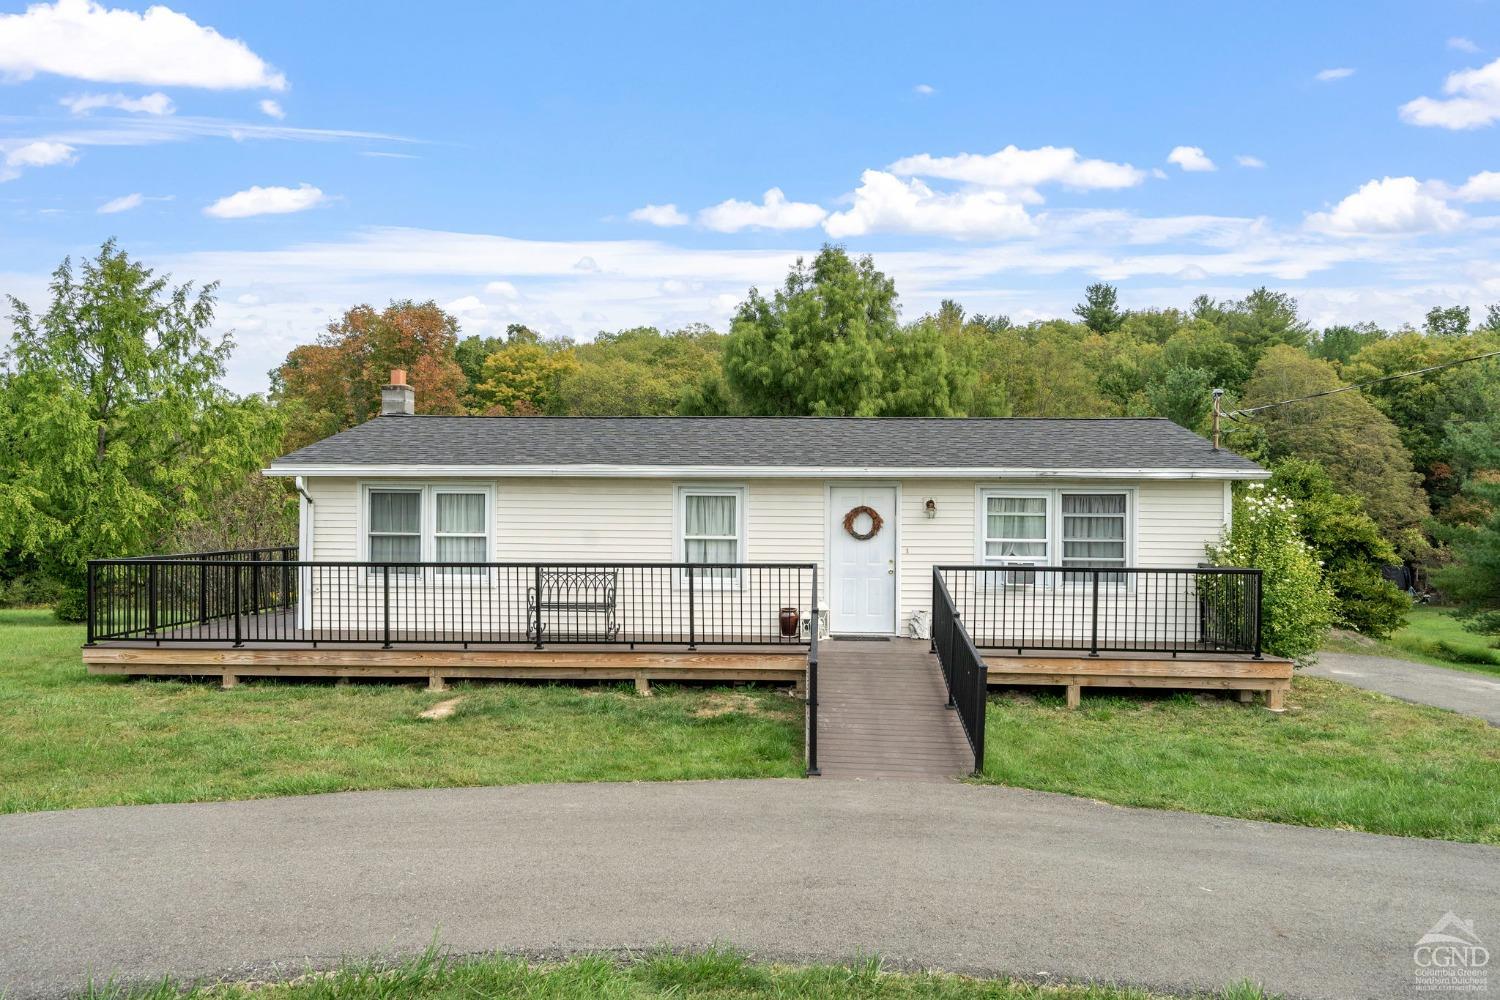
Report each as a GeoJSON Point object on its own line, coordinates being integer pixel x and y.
{"type": "Point", "coordinates": [68, 739]}
{"type": "Point", "coordinates": [1340, 757]}
{"type": "Point", "coordinates": [1431, 635]}
{"type": "Point", "coordinates": [713, 975]}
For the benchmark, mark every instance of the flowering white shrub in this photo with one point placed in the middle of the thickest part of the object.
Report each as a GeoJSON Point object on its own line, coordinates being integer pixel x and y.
{"type": "Point", "coordinates": [1298, 604]}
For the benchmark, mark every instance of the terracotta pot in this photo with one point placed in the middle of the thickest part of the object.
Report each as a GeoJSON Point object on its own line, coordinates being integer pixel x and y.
{"type": "Point", "coordinates": [790, 619]}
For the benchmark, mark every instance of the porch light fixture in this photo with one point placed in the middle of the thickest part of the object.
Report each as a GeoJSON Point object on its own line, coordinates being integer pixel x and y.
{"type": "Point", "coordinates": [930, 506]}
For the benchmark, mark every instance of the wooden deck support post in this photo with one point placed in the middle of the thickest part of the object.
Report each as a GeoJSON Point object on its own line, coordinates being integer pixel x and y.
{"type": "Point", "coordinates": [435, 682]}
{"type": "Point", "coordinates": [1075, 695]}
{"type": "Point", "coordinates": [1276, 699]}
{"type": "Point", "coordinates": [1246, 696]}
{"type": "Point", "coordinates": [642, 686]}
{"type": "Point", "coordinates": [229, 680]}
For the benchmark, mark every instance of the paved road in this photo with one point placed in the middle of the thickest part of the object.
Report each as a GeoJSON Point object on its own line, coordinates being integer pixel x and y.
{"type": "Point", "coordinates": [954, 876]}
{"type": "Point", "coordinates": [1456, 690]}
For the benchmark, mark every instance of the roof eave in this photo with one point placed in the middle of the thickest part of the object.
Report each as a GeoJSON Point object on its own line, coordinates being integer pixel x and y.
{"type": "Point", "coordinates": [749, 472]}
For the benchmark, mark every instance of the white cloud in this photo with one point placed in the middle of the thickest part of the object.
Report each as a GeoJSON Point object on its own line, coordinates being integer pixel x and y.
{"type": "Point", "coordinates": [1021, 171]}
{"type": "Point", "coordinates": [660, 215]}
{"type": "Point", "coordinates": [886, 203]}
{"type": "Point", "coordinates": [774, 212]}
{"type": "Point", "coordinates": [1337, 73]}
{"type": "Point", "coordinates": [266, 201]}
{"type": "Point", "coordinates": [504, 289]}
{"type": "Point", "coordinates": [1483, 186]}
{"type": "Point", "coordinates": [924, 89]}
{"type": "Point", "coordinates": [1458, 44]}
{"type": "Point", "coordinates": [1191, 159]}
{"type": "Point", "coordinates": [1253, 162]}
{"type": "Point", "coordinates": [33, 153]}
{"type": "Point", "coordinates": [466, 304]}
{"type": "Point", "coordinates": [1388, 205]}
{"type": "Point", "coordinates": [1473, 101]}
{"type": "Point", "coordinates": [87, 41]}
{"type": "Point", "coordinates": [387, 155]}
{"type": "Point", "coordinates": [272, 109]}
{"type": "Point", "coordinates": [124, 203]}
{"type": "Point", "coordinates": [586, 263]}
{"type": "Point", "coordinates": [151, 104]}
{"type": "Point", "coordinates": [39, 154]}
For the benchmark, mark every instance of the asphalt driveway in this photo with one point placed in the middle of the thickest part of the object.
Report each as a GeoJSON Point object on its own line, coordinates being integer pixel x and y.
{"type": "Point", "coordinates": [1456, 690]}
{"type": "Point", "coordinates": [977, 879]}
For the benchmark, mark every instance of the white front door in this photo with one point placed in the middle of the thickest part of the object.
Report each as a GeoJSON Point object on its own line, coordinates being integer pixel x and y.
{"type": "Point", "coordinates": [863, 587]}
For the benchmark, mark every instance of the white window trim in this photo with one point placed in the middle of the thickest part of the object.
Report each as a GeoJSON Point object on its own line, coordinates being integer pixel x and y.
{"type": "Point", "coordinates": [1054, 496]}
{"type": "Point", "coordinates": [428, 518]}
{"type": "Point", "coordinates": [680, 493]}
{"type": "Point", "coordinates": [983, 539]}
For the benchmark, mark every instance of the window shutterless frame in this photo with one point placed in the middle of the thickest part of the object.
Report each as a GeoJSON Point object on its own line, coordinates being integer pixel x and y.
{"type": "Point", "coordinates": [686, 533]}
{"type": "Point", "coordinates": [427, 532]}
{"type": "Point", "coordinates": [1057, 533]}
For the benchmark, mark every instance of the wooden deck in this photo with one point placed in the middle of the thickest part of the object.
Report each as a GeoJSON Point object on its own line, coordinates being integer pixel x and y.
{"type": "Point", "coordinates": [1271, 676]}
{"type": "Point", "coordinates": [881, 713]}
{"type": "Point", "coordinates": [205, 651]}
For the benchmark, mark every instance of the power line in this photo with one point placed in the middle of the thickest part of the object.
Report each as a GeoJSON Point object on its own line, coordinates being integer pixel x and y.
{"type": "Point", "coordinates": [1245, 411]}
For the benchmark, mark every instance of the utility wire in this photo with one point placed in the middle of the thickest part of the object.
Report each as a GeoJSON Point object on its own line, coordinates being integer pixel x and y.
{"type": "Point", "coordinates": [1245, 411]}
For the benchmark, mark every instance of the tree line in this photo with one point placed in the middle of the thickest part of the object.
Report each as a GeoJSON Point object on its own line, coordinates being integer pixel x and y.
{"type": "Point", "coordinates": [119, 437]}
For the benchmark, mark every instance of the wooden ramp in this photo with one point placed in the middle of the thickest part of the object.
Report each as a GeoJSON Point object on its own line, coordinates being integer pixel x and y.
{"type": "Point", "coordinates": [881, 713]}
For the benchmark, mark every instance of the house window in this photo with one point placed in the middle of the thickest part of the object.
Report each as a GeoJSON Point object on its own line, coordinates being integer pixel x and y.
{"type": "Point", "coordinates": [459, 534]}
{"type": "Point", "coordinates": [411, 525]}
{"type": "Point", "coordinates": [1093, 531]}
{"type": "Point", "coordinates": [395, 526]}
{"type": "Point", "coordinates": [711, 530]}
{"type": "Point", "coordinates": [1015, 533]}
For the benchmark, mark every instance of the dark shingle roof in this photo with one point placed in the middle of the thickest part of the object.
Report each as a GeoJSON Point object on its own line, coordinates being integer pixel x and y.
{"type": "Point", "coordinates": [754, 442]}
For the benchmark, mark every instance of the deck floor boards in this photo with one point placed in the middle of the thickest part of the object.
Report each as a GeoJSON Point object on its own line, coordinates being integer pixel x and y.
{"type": "Point", "coordinates": [882, 714]}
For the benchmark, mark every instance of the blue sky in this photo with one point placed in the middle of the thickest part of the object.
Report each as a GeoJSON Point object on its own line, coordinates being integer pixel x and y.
{"type": "Point", "coordinates": [585, 167]}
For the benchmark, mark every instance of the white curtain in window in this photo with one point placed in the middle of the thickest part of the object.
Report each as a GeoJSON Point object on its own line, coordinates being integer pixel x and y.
{"type": "Point", "coordinates": [1016, 528]}
{"type": "Point", "coordinates": [1093, 529]}
{"type": "Point", "coordinates": [710, 529]}
{"type": "Point", "coordinates": [396, 512]}
{"type": "Point", "coordinates": [460, 513]}
{"type": "Point", "coordinates": [395, 526]}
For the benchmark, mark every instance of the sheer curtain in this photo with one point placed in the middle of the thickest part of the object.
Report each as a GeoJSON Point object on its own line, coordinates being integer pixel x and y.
{"type": "Point", "coordinates": [395, 526]}
{"type": "Point", "coordinates": [711, 529]}
{"type": "Point", "coordinates": [460, 527]}
{"type": "Point", "coordinates": [1016, 528]}
{"type": "Point", "coordinates": [1093, 529]}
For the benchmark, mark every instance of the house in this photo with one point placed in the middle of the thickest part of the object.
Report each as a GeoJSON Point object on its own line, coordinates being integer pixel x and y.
{"type": "Point", "coordinates": [628, 546]}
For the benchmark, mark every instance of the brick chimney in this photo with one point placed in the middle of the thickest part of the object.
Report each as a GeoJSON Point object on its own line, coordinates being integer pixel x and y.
{"type": "Point", "coordinates": [398, 399]}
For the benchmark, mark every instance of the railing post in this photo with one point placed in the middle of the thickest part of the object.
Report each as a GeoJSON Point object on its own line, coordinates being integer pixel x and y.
{"type": "Point", "coordinates": [89, 582]}
{"type": "Point", "coordinates": [255, 582]}
{"type": "Point", "coordinates": [385, 599]}
{"type": "Point", "coordinates": [151, 598]}
{"type": "Point", "coordinates": [812, 683]}
{"type": "Point", "coordinates": [692, 608]}
{"type": "Point", "coordinates": [537, 589]}
{"type": "Point", "coordinates": [932, 618]}
{"type": "Point", "coordinates": [235, 567]}
{"type": "Point", "coordinates": [203, 592]}
{"type": "Point", "coordinates": [981, 706]}
{"type": "Point", "coordinates": [1259, 592]}
{"type": "Point", "coordinates": [1094, 625]}
{"type": "Point", "coordinates": [950, 668]}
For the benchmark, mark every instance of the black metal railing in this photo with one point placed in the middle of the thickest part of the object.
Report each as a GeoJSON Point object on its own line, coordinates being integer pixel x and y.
{"type": "Point", "coordinates": [1099, 610]}
{"type": "Point", "coordinates": [964, 669]}
{"type": "Point", "coordinates": [269, 596]}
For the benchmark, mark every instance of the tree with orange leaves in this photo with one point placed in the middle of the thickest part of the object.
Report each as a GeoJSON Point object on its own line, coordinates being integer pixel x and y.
{"type": "Point", "coordinates": [335, 383]}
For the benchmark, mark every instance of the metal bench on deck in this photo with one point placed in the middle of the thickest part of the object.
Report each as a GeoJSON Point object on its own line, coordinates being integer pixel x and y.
{"type": "Point", "coordinates": [573, 605]}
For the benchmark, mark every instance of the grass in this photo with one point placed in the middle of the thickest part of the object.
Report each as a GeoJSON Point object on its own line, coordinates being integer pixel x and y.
{"type": "Point", "coordinates": [1431, 635]}
{"type": "Point", "coordinates": [1340, 757]}
{"type": "Point", "coordinates": [718, 974]}
{"type": "Point", "coordinates": [68, 739]}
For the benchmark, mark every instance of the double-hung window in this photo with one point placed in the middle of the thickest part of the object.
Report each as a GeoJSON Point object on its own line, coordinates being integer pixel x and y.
{"type": "Point", "coordinates": [395, 526]}
{"type": "Point", "coordinates": [712, 530]}
{"type": "Point", "coordinates": [1093, 531]}
{"type": "Point", "coordinates": [1068, 528]}
{"type": "Point", "coordinates": [458, 531]}
{"type": "Point", "coordinates": [407, 525]}
{"type": "Point", "coordinates": [1015, 534]}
